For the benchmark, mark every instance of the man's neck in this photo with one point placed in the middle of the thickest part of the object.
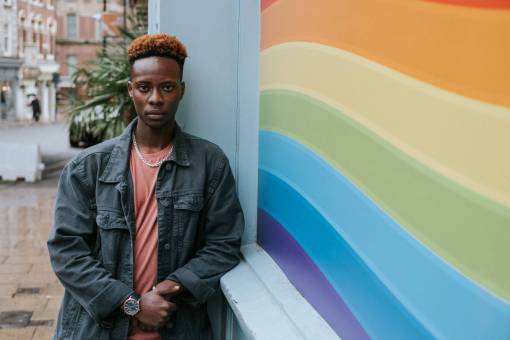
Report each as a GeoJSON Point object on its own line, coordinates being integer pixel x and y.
{"type": "Point", "coordinates": [153, 140]}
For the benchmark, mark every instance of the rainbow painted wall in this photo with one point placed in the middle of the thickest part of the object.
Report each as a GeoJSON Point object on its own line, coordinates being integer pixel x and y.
{"type": "Point", "coordinates": [385, 163]}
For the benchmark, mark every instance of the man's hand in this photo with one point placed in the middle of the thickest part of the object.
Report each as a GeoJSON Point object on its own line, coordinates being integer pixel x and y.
{"type": "Point", "coordinates": [168, 288]}
{"type": "Point", "coordinates": [155, 310]}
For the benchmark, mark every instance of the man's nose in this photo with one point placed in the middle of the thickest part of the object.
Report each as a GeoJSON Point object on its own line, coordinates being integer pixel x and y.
{"type": "Point", "coordinates": [155, 98]}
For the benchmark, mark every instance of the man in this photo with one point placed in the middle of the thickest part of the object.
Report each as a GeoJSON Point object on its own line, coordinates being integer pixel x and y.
{"type": "Point", "coordinates": [148, 222]}
{"type": "Point", "coordinates": [36, 108]}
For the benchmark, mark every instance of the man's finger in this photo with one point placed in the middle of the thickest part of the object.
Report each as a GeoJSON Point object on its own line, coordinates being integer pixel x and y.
{"type": "Point", "coordinates": [167, 289]}
{"type": "Point", "coordinates": [173, 307]}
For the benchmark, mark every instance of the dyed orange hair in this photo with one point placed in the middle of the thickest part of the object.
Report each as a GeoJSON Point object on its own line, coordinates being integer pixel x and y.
{"type": "Point", "coordinates": [160, 45]}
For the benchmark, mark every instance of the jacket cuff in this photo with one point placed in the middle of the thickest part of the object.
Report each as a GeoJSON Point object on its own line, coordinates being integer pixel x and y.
{"type": "Point", "coordinates": [196, 286]}
{"type": "Point", "coordinates": [108, 300]}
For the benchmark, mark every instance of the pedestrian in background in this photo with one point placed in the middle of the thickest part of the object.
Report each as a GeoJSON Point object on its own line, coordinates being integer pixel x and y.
{"type": "Point", "coordinates": [36, 107]}
{"type": "Point", "coordinates": [3, 105]}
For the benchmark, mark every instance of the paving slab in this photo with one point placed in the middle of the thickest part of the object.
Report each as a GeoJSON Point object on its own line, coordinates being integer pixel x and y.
{"type": "Point", "coordinates": [17, 334]}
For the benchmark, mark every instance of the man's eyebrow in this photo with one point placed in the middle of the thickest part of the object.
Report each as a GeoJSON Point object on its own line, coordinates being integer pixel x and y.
{"type": "Point", "coordinates": [172, 81]}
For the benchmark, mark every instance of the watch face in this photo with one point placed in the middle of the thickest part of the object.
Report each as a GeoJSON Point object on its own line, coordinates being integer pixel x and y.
{"type": "Point", "coordinates": [131, 306]}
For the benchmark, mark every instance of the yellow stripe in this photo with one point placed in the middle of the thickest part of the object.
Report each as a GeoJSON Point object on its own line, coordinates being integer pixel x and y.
{"type": "Point", "coordinates": [464, 139]}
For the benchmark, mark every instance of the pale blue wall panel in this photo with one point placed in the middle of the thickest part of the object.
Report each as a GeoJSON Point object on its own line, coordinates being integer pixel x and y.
{"type": "Point", "coordinates": [222, 78]}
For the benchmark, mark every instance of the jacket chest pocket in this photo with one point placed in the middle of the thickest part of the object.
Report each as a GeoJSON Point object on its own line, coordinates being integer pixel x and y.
{"type": "Point", "coordinates": [115, 241]}
{"type": "Point", "coordinates": [187, 211]}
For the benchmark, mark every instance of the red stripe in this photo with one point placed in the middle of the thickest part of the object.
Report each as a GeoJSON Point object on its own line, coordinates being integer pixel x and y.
{"type": "Point", "coordinates": [498, 4]}
{"type": "Point", "coordinates": [266, 3]}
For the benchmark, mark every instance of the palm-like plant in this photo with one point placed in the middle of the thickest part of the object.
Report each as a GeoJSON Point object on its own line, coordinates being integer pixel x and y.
{"type": "Point", "coordinates": [101, 106]}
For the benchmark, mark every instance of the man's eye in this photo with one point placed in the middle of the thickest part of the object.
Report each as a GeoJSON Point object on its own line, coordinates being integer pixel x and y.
{"type": "Point", "coordinates": [168, 87]}
{"type": "Point", "coordinates": [143, 88]}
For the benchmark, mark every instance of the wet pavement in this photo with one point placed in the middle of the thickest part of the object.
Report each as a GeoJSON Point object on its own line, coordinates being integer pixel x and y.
{"type": "Point", "coordinates": [29, 291]}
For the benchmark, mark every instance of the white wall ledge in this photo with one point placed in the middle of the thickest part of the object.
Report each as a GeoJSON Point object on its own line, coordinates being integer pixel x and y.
{"type": "Point", "coordinates": [267, 305]}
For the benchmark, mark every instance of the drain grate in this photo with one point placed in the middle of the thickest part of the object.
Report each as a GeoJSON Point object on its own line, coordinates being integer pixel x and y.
{"type": "Point", "coordinates": [15, 319]}
{"type": "Point", "coordinates": [27, 290]}
{"type": "Point", "coordinates": [36, 323]}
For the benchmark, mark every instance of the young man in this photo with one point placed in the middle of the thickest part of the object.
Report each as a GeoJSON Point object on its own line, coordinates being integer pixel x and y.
{"type": "Point", "coordinates": [146, 223]}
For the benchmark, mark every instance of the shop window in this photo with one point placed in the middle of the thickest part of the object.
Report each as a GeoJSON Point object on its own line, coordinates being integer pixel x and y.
{"type": "Point", "coordinates": [6, 46]}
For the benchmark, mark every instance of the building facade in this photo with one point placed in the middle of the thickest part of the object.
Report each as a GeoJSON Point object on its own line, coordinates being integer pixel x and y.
{"type": "Point", "coordinates": [36, 35]}
{"type": "Point", "coordinates": [84, 26]}
{"type": "Point", "coordinates": [9, 61]}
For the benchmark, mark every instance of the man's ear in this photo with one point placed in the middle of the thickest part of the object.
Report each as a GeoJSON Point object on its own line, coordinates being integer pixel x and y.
{"type": "Point", "coordinates": [130, 88]}
{"type": "Point", "coordinates": [183, 88]}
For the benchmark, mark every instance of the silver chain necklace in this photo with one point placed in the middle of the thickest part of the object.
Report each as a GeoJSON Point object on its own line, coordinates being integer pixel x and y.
{"type": "Point", "coordinates": [139, 154]}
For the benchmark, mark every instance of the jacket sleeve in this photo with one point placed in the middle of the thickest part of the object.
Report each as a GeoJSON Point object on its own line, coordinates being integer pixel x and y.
{"type": "Point", "coordinates": [222, 231]}
{"type": "Point", "coordinates": [70, 245]}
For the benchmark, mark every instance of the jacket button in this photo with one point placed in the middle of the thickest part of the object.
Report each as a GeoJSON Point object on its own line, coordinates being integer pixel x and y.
{"type": "Point", "coordinates": [167, 246]}
{"type": "Point", "coordinates": [168, 167]}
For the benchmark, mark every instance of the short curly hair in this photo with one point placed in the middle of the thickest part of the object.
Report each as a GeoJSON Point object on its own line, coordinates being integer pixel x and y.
{"type": "Point", "coordinates": [159, 45]}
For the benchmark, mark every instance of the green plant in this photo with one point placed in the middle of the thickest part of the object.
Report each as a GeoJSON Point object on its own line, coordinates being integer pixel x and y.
{"type": "Point", "coordinates": [100, 103]}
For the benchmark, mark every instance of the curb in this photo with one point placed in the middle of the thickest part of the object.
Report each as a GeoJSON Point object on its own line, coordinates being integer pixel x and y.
{"type": "Point", "coordinates": [55, 166]}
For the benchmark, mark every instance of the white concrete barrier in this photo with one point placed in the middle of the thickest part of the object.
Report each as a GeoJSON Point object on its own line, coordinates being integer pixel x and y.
{"type": "Point", "coordinates": [20, 161]}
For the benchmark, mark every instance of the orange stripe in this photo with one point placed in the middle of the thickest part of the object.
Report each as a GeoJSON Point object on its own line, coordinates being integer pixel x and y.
{"type": "Point", "coordinates": [477, 3]}
{"type": "Point", "coordinates": [461, 49]}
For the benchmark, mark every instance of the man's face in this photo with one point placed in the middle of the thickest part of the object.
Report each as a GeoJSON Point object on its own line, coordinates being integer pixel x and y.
{"type": "Point", "coordinates": [156, 90]}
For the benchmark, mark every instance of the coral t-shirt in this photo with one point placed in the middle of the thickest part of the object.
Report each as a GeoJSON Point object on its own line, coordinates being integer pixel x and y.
{"type": "Point", "coordinates": [146, 240]}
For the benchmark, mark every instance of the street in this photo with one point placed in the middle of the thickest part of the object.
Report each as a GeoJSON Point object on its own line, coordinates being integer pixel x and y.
{"type": "Point", "coordinates": [29, 291]}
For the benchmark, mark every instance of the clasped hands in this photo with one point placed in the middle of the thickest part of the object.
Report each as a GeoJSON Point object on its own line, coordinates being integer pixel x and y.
{"type": "Point", "coordinates": [155, 306]}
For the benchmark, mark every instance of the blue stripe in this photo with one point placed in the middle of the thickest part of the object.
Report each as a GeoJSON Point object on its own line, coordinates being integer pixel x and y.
{"type": "Point", "coordinates": [378, 312]}
{"type": "Point", "coordinates": [446, 303]}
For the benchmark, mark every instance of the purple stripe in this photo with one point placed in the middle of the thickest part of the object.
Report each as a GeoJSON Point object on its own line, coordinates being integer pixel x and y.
{"type": "Point", "coordinates": [307, 278]}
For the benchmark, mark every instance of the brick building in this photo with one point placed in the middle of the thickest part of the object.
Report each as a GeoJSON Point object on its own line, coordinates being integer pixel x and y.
{"type": "Point", "coordinates": [9, 61]}
{"type": "Point", "coordinates": [85, 26]}
{"type": "Point", "coordinates": [82, 31]}
{"type": "Point", "coordinates": [36, 35]}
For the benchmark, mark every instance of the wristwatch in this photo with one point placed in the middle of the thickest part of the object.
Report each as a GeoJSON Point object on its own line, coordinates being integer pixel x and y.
{"type": "Point", "coordinates": [131, 306]}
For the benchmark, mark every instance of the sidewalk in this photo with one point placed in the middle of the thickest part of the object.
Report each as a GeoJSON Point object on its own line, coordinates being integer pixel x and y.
{"type": "Point", "coordinates": [28, 287]}
{"type": "Point", "coordinates": [29, 291]}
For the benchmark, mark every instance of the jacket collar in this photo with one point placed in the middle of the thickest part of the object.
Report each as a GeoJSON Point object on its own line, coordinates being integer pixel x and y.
{"type": "Point", "coordinates": [118, 165]}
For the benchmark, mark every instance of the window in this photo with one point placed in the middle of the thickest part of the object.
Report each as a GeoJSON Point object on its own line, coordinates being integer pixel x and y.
{"type": "Point", "coordinates": [41, 42]}
{"type": "Point", "coordinates": [71, 27]}
{"type": "Point", "coordinates": [99, 29]}
{"type": "Point", "coordinates": [6, 39]}
{"type": "Point", "coordinates": [34, 33]}
{"type": "Point", "coordinates": [50, 39]}
{"type": "Point", "coordinates": [23, 36]}
{"type": "Point", "coordinates": [71, 64]}
{"type": "Point", "coordinates": [52, 44]}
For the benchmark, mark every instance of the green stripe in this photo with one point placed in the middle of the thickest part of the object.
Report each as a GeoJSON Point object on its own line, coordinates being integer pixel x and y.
{"type": "Point", "coordinates": [466, 229]}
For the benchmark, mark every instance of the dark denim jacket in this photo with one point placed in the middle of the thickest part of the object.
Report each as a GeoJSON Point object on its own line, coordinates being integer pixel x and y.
{"type": "Point", "coordinates": [200, 224]}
